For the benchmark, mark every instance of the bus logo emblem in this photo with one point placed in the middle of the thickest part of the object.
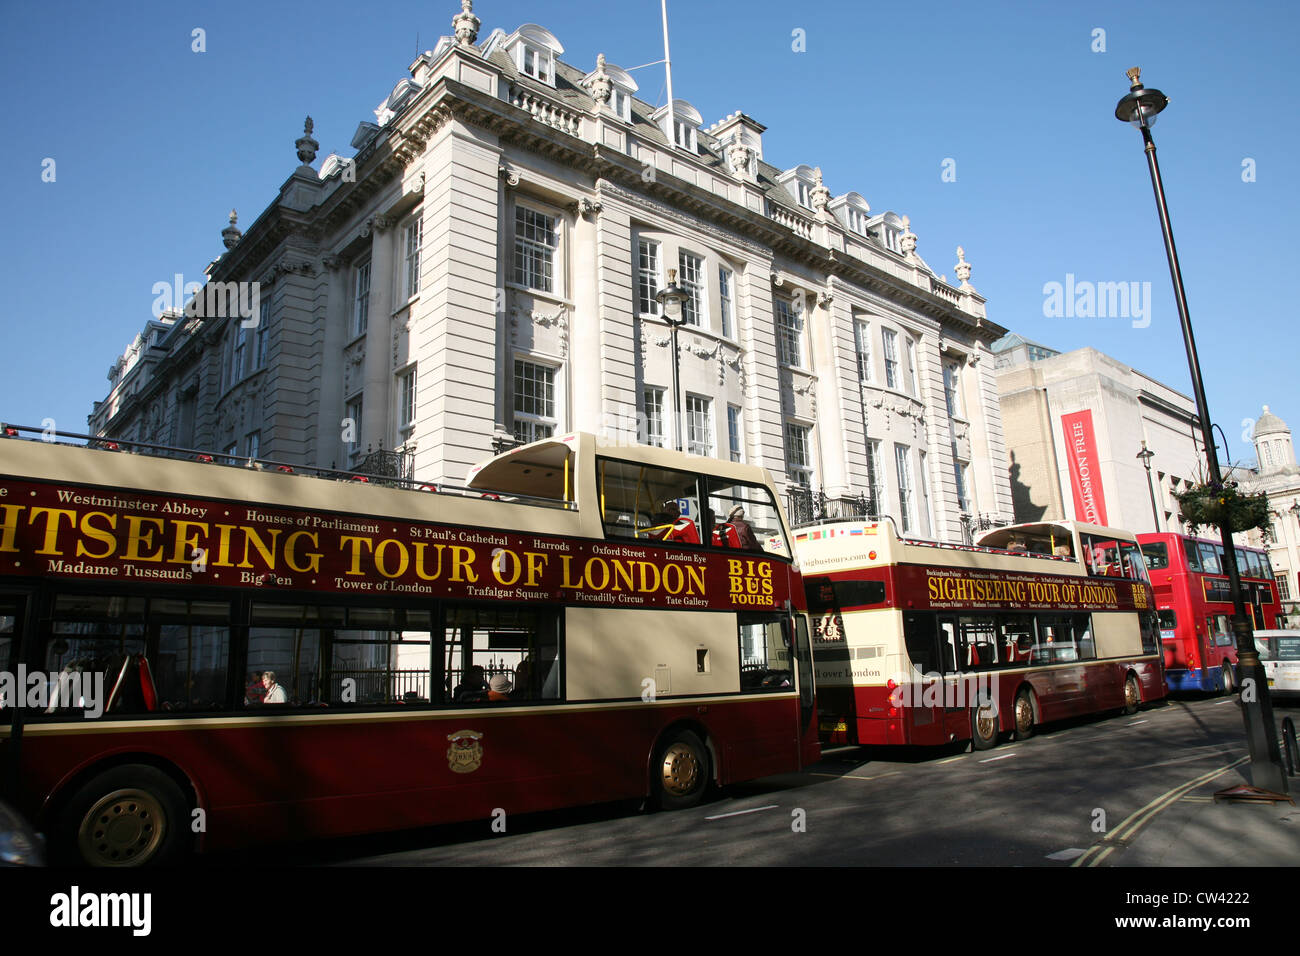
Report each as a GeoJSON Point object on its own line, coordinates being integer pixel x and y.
{"type": "Point", "coordinates": [465, 754]}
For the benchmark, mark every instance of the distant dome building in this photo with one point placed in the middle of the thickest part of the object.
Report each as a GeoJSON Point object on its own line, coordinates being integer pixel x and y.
{"type": "Point", "coordinates": [1278, 476]}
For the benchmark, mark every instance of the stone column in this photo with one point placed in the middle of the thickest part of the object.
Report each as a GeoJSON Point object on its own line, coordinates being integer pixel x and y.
{"type": "Point", "coordinates": [385, 285]}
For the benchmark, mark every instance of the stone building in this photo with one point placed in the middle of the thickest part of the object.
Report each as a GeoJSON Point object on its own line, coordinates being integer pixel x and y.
{"type": "Point", "coordinates": [483, 270]}
{"type": "Point", "coordinates": [1278, 476]}
{"type": "Point", "coordinates": [1076, 424]}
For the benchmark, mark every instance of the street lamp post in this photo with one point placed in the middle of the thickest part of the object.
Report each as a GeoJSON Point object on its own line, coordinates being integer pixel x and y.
{"type": "Point", "coordinates": [670, 298]}
{"type": "Point", "coordinates": [1139, 107]}
{"type": "Point", "coordinates": [1146, 454]}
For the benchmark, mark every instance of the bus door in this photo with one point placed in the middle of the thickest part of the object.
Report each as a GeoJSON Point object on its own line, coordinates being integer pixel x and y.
{"type": "Point", "coordinates": [956, 715]}
{"type": "Point", "coordinates": [13, 625]}
{"type": "Point", "coordinates": [922, 689]}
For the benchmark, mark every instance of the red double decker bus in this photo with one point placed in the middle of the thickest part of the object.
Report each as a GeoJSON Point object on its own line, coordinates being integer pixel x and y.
{"type": "Point", "coordinates": [199, 654]}
{"type": "Point", "coordinates": [917, 642]}
{"type": "Point", "coordinates": [1195, 607]}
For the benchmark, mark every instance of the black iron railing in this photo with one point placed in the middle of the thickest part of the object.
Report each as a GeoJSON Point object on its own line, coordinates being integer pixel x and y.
{"type": "Point", "coordinates": [805, 506]}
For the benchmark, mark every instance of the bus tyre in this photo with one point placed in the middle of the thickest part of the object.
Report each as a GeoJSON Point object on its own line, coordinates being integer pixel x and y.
{"type": "Point", "coordinates": [1229, 680]}
{"type": "Point", "coordinates": [1132, 695]}
{"type": "Point", "coordinates": [984, 727]}
{"type": "Point", "coordinates": [132, 815]}
{"type": "Point", "coordinates": [680, 772]}
{"type": "Point", "coordinates": [1024, 715]}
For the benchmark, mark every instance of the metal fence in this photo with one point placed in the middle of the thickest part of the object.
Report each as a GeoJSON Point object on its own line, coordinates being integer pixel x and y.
{"type": "Point", "coordinates": [805, 506]}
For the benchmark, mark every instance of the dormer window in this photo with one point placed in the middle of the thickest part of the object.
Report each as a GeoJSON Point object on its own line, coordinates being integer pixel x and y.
{"type": "Point", "coordinates": [536, 63]}
{"type": "Point", "coordinates": [857, 222]}
{"type": "Point", "coordinates": [804, 194]}
{"type": "Point", "coordinates": [684, 122]}
{"type": "Point", "coordinates": [622, 104]}
{"type": "Point", "coordinates": [533, 50]}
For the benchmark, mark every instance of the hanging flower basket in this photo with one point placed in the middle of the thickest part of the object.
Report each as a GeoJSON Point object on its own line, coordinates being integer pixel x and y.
{"type": "Point", "coordinates": [1208, 506]}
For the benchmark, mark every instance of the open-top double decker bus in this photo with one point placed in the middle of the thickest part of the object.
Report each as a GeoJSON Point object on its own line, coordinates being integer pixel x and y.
{"type": "Point", "coordinates": [1195, 606]}
{"type": "Point", "coordinates": [256, 655]}
{"type": "Point", "coordinates": [917, 642]}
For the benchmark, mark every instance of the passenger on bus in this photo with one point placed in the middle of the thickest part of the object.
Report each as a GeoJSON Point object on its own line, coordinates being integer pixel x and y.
{"type": "Point", "coordinates": [523, 680]}
{"type": "Point", "coordinates": [499, 688]}
{"type": "Point", "coordinates": [735, 532]}
{"type": "Point", "coordinates": [473, 688]}
{"type": "Point", "coordinates": [255, 692]}
{"type": "Point", "coordinates": [680, 529]}
{"type": "Point", "coordinates": [274, 692]}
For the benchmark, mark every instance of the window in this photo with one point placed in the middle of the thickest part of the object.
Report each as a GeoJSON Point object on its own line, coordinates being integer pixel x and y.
{"type": "Point", "coordinates": [862, 338]}
{"type": "Point", "coordinates": [891, 358]}
{"type": "Point", "coordinates": [959, 468]}
{"type": "Point", "coordinates": [798, 457]}
{"type": "Point", "coordinates": [764, 653]}
{"type": "Point", "coordinates": [804, 193]}
{"type": "Point", "coordinates": [692, 282]}
{"type": "Point", "coordinates": [263, 334]}
{"type": "Point", "coordinates": [726, 302]}
{"type": "Point", "coordinates": [352, 429]}
{"type": "Point", "coordinates": [684, 135]}
{"type": "Point", "coordinates": [950, 390]}
{"type": "Point", "coordinates": [734, 440]}
{"type": "Point", "coordinates": [232, 453]}
{"type": "Point", "coordinates": [925, 496]}
{"type": "Point", "coordinates": [652, 402]}
{"type": "Point", "coordinates": [906, 504]}
{"type": "Point", "coordinates": [647, 502]}
{"type": "Point", "coordinates": [857, 222]}
{"type": "Point", "coordinates": [648, 277]}
{"type": "Point", "coordinates": [406, 408]}
{"type": "Point", "coordinates": [534, 401]}
{"type": "Point", "coordinates": [414, 239]}
{"type": "Point", "coordinates": [535, 243]}
{"type": "Point", "coordinates": [519, 644]}
{"type": "Point", "coordinates": [253, 444]}
{"type": "Point", "coordinates": [361, 300]}
{"type": "Point", "coordinates": [699, 425]}
{"type": "Point", "coordinates": [1284, 587]}
{"type": "Point", "coordinates": [535, 63]}
{"type": "Point", "coordinates": [913, 382]}
{"type": "Point", "coordinates": [787, 334]}
{"type": "Point", "coordinates": [621, 101]}
{"type": "Point", "coordinates": [757, 510]}
{"type": "Point", "coordinates": [238, 353]}
{"type": "Point", "coordinates": [876, 477]}
{"type": "Point", "coordinates": [1156, 555]}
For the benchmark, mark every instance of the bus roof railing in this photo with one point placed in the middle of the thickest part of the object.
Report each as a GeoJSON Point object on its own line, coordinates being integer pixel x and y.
{"type": "Point", "coordinates": [50, 436]}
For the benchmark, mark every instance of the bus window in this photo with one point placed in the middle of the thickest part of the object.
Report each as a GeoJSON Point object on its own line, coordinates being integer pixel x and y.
{"type": "Point", "coordinates": [1250, 564]}
{"type": "Point", "coordinates": [515, 647]}
{"type": "Point", "coordinates": [1017, 637]}
{"type": "Point", "coordinates": [649, 503]}
{"type": "Point", "coordinates": [285, 640]}
{"type": "Point", "coordinates": [1156, 554]}
{"type": "Point", "coordinates": [1103, 557]}
{"type": "Point", "coordinates": [1135, 568]}
{"type": "Point", "coordinates": [1192, 552]}
{"type": "Point", "coordinates": [745, 517]}
{"type": "Point", "coordinates": [380, 656]}
{"type": "Point", "coordinates": [191, 665]}
{"type": "Point", "coordinates": [764, 653]}
{"type": "Point", "coordinates": [1210, 555]}
{"type": "Point", "coordinates": [922, 642]}
{"type": "Point", "coordinates": [9, 611]}
{"type": "Point", "coordinates": [91, 635]}
{"type": "Point", "coordinates": [1168, 620]}
{"type": "Point", "coordinates": [948, 642]}
{"type": "Point", "coordinates": [1150, 633]}
{"type": "Point", "coordinates": [979, 643]}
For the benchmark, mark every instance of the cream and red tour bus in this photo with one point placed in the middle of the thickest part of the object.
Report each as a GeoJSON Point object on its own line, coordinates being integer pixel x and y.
{"type": "Point", "coordinates": [255, 654]}
{"type": "Point", "coordinates": [916, 642]}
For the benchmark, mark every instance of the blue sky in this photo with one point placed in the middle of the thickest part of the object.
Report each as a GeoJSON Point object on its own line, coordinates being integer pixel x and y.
{"type": "Point", "coordinates": [154, 143]}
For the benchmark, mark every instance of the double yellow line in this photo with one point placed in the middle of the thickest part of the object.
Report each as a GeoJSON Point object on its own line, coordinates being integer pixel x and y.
{"type": "Point", "coordinates": [1140, 818]}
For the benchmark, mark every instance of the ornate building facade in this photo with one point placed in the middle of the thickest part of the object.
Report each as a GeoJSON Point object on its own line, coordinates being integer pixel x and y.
{"type": "Point", "coordinates": [484, 270]}
{"type": "Point", "coordinates": [1278, 476]}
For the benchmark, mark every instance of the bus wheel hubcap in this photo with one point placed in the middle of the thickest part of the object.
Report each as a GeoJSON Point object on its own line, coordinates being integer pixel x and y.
{"type": "Point", "coordinates": [681, 769]}
{"type": "Point", "coordinates": [123, 828]}
{"type": "Point", "coordinates": [1024, 715]}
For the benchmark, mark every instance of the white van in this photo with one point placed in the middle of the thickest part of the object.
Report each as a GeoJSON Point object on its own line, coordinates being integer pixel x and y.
{"type": "Point", "coordinates": [1279, 652]}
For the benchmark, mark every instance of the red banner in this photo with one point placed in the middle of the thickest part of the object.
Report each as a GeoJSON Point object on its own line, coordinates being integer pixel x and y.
{"type": "Point", "coordinates": [1085, 470]}
{"type": "Point", "coordinates": [131, 537]}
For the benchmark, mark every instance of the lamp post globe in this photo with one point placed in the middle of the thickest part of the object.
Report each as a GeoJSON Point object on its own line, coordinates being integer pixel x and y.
{"type": "Point", "coordinates": [670, 299]}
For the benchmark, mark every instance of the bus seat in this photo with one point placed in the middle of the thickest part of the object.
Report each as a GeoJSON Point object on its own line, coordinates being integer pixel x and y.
{"type": "Point", "coordinates": [147, 689]}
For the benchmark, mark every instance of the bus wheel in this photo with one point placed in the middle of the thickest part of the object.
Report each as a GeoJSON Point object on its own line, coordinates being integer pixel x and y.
{"type": "Point", "coordinates": [129, 816]}
{"type": "Point", "coordinates": [680, 772]}
{"type": "Point", "coordinates": [1024, 714]}
{"type": "Point", "coordinates": [1132, 695]}
{"type": "Point", "coordinates": [984, 727]}
{"type": "Point", "coordinates": [1229, 681]}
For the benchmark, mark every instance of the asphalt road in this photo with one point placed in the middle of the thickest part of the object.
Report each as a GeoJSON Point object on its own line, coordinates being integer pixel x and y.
{"type": "Point", "coordinates": [1097, 791]}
